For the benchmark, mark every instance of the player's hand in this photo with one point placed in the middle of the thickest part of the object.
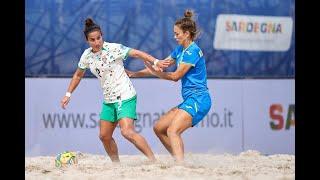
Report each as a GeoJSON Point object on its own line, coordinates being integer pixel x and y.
{"type": "Point", "coordinates": [130, 73]}
{"type": "Point", "coordinates": [163, 63]}
{"type": "Point", "coordinates": [158, 69]}
{"type": "Point", "coordinates": [150, 67]}
{"type": "Point", "coordinates": [65, 100]}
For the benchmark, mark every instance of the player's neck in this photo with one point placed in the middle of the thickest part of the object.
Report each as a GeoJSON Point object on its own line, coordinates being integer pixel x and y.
{"type": "Point", "coordinates": [187, 44]}
{"type": "Point", "coordinates": [96, 50]}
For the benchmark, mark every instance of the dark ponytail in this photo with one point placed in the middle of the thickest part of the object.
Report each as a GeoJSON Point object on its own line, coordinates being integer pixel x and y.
{"type": "Point", "coordinates": [90, 26]}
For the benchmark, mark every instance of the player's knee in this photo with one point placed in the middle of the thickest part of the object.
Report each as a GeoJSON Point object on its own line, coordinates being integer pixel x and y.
{"type": "Point", "coordinates": [127, 133]}
{"type": "Point", "coordinates": [105, 137]}
{"type": "Point", "coordinates": [172, 131]}
{"type": "Point", "coordinates": [157, 129]}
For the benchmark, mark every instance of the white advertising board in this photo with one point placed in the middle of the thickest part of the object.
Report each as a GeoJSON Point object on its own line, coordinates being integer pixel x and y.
{"type": "Point", "coordinates": [269, 116]}
{"type": "Point", "coordinates": [50, 129]}
{"type": "Point", "coordinates": [252, 33]}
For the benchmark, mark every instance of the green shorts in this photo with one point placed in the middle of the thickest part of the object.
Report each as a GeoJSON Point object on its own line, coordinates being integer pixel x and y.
{"type": "Point", "coordinates": [113, 112]}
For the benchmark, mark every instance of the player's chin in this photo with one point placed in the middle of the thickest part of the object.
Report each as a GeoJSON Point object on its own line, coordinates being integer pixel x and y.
{"type": "Point", "coordinates": [179, 42]}
{"type": "Point", "coordinates": [96, 49]}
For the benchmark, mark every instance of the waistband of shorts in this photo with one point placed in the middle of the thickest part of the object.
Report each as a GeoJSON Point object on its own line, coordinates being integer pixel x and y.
{"type": "Point", "coordinates": [192, 92]}
{"type": "Point", "coordinates": [128, 99]}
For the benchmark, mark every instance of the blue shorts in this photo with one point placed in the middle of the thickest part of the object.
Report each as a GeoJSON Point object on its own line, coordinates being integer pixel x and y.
{"type": "Point", "coordinates": [197, 105]}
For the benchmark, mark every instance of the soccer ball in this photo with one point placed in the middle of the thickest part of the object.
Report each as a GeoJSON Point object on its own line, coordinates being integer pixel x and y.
{"type": "Point", "coordinates": [66, 158]}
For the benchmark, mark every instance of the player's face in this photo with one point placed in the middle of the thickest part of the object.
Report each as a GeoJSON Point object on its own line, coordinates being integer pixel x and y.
{"type": "Point", "coordinates": [181, 37]}
{"type": "Point", "coordinates": [95, 40]}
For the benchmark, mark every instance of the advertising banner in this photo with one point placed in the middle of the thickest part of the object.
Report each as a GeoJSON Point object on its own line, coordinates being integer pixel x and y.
{"type": "Point", "coordinates": [269, 116]}
{"type": "Point", "coordinates": [253, 33]}
{"type": "Point", "coordinates": [232, 124]}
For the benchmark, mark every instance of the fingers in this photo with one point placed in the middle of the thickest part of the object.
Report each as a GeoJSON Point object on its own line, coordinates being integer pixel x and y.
{"type": "Point", "coordinates": [163, 63]}
{"type": "Point", "coordinates": [149, 66]}
{"type": "Point", "coordinates": [63, 105]}
{"type": "Point", "coordinates": [64, 102]}
{"type": "Point", "coordinates": [156, 68]}
{"type": "Point", "coordinates": [167, 62]}
{"type": "Point", "coordinates": [129, 73]}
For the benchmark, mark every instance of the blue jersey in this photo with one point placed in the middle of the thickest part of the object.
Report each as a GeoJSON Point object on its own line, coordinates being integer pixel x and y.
{"type": "Point", "coordinates": [195, 80]}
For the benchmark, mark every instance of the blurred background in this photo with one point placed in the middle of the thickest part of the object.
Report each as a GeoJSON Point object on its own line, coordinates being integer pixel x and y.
{"type": "Point", "coordinates": [249, 47]}
{"type": "Point", "coordinates": [55, 40]}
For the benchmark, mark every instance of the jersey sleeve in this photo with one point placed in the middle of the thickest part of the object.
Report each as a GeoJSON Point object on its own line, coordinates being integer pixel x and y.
{"type": "Point", "coordinates": [192, 56]}
{"type": "Point", "coordinates": [174, 54]}
{"type": "Point", "coordinates": [122, 51]}
{"type": "Point", "coordinates": [83, 63]}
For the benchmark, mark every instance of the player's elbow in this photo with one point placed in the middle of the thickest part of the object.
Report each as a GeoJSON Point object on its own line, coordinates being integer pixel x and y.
{"type": "Point", "coordinates": [175, 78]}
{"type": "Point", "coordinates": [135, 53]}
{"type": "Point", "coordinates": [78, 74]}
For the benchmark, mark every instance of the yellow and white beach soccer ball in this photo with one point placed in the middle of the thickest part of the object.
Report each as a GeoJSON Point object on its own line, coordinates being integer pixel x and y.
{"type": "Point", "coordinates": [66, 158]}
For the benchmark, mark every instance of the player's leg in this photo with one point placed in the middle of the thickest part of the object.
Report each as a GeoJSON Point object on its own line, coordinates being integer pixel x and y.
{"type": "Point", "coordinates": [107, 126]}
{"type": "Point", "coordinates": [180, 123]}
{"type": "Point", "coordinates": [190, 112]}
{"type": "Point", "coordinates": [161, 126]}
{"type": "Point", "coordinates": [106, 131]}
{"type": "Point", "coordinates": [127, 130]}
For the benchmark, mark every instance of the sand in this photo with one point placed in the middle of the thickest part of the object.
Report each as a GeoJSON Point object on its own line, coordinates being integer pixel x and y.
{"type": "Point", "coordinates": [245, 166]}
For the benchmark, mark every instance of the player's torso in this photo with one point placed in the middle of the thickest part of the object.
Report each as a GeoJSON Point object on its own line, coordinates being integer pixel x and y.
{"type": "Point", "coordinates": [107, 66]}
{"type": "Point", "coordinates": [196, 78]}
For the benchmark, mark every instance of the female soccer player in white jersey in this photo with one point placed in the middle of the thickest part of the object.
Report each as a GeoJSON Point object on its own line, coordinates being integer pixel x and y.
{"type": "Point", "coordinates": [196, 98]}
{"type": "Point", "coordinates": [105, 61]}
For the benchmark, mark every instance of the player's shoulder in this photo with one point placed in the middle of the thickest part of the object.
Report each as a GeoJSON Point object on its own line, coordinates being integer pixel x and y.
{"type": "Point", "coordinates": [86, 52]}
{"type": "Point", "coordinates": [192, 50]}
{"type": "Point", "coordinates": [195, 49]}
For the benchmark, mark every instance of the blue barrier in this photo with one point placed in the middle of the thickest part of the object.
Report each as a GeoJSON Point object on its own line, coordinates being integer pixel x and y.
{"type": "Point", "coordinates": [54, 37]}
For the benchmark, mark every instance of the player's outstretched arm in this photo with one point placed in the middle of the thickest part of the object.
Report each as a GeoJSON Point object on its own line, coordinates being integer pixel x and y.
{"type": "Point", "coordinates": [72, 86]}
{"type": "Point", "coordinates": [172, 76]}
{"type": "Point", "coordinates": [141, 73]}
{"type": "Point", "coordinates": [148, 58]}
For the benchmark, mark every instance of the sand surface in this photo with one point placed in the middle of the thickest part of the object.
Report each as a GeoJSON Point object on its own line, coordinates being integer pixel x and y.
{"type": "Point", "coordinates": [246, 165]}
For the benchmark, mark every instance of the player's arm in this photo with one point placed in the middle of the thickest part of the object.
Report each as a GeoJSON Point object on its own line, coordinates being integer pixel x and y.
{"type": "Point", "coordinates": [170, 60]}
{"type": "Point", "coordinates": [145, 72]}
{"type": "Point", "coordinates": [172, 76]}
{"type": "Point", "coordinates": [77, 76]}
{"type": "Point", "coordinates": [141, 73]}
{"type": "Point", "coordinates": [148, 58]}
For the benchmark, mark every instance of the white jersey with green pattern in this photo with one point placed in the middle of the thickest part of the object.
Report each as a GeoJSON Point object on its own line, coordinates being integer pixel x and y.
{"type": "Point", "coordinates": [107, 66]}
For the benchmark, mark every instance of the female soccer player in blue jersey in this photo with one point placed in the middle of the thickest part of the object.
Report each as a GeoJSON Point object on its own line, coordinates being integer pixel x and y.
{"type": "Point", "coordinates": [191, 69]}
{"type": "Point", "coordinates": [105, 61]}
